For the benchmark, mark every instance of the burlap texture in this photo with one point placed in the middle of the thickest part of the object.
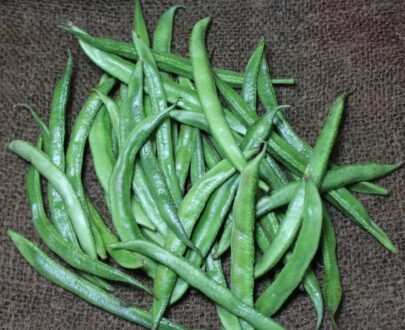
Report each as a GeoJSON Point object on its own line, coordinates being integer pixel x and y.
{"type": "Point", "coordinates": [328, 46]}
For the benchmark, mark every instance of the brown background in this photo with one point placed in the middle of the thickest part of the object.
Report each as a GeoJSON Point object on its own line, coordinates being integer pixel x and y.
{"type": "Point", "coordinates": [328, 46]}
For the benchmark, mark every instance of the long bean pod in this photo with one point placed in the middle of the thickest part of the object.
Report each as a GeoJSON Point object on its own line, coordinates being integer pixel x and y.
{"type": "Point", "coordinates": [199, 280]}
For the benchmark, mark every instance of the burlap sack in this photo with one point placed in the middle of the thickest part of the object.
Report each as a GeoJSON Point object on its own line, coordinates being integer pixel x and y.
{"type": "Point", "coordinates": [328, 46]}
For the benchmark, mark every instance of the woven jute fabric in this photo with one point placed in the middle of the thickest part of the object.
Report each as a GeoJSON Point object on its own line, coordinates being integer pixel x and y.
{"type": "Point", "coordinates": [328, 46]}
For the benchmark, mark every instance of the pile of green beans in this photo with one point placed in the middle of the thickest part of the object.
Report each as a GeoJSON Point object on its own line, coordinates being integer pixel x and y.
{"type": "Point", "coordinates": [189, 170]}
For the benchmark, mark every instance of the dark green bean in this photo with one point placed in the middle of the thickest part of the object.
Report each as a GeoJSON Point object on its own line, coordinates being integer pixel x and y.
{"type": "Point", "coordinates": [82, 288]}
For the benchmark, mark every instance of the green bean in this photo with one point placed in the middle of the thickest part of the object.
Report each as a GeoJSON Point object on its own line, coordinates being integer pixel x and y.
{"type": "Point", "coordinates": [62, 185]}
{"type": "Point", "coordinates": [215, 272]}
{"type": "Point", "coordinates": [120, 185]}
{"type": "Point", "coordinates": [102, 284]}
{"type": "Point", "coordinates": [69, 253]}
{"type": "Point", "coordinates": [285, 233]}
{"type": "Point", "coordinates": [197, 167]}
{"type": "Point", "coordinates": [41, 124]}
{"type": "Point", "coordinates": [75, 152]}
{"type": "Point", "coordinates": [131, 102]}
{"type": "Point", "coordinates": [211, 156]}
{"type": "Point", "coordinates": [98, 242]}
{"type": "Point", "coordinates": [242, 240]}
{"type": "Point", "coordinates": [123, 258]}
{"type": "Point", "coordinates": [236, 103]}
{"type": "Point", "coordinates": [159, 103]}
{"type": "Point", "coordinates": [352, 208]}
{"type": "Point", "coordinates": [198, 120]}
{"type": "Point", "coordinates": [332, 288]}
{"type": "Point", "coordinates": [162, 40]}
{"type": "Point", "coordinates": [113, 112]}
{"type": "Point", "coordinates": [313, 290]}
{"type": "Point", "coordinates": [100, 142]}
{"type": "Point", "coordinates": [55, 151]}
{"type": "Point", "coordinates": [139, 23]}
{"type": "Point", "coordinates": [320, 155]}
{"type": "Point", "coordinates": [224, 243]}
{"type": "Point", "coordinates": [153, 236]}
{"type": "Point", "coordinates": [369, 188]}
{"type": "Point", "coordinates": [79, 134]}
{"type": "Point", "coordinates": [141, 218]}
{"type": "Point", "coordinates": [167, 61]}
{"type": "Point", "coordinates": [305, 248]}
{"type": "Point", "coordinates": [82, 288]}
{"type": "Point", "coordinates": [147, 200]}
{"type": "Point", "coordinates": [268, 98]}
{"type": "Point", "coordinates": [184, 148]}
{"type": "Point", "coordinates": [249, 87]}
{"type": "Point", "coordinates": [162, 37]}
{"type": "Point", "coordinates": [205, 85]}
{"type": "Point", "coordinates": [199, 280]}
{"type": "Point", "coordinates": [207, 228]}
{"type": "Point", "coordinates": [336, 177]}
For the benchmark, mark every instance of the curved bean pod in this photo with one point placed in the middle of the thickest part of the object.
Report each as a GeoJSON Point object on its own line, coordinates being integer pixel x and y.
{"type": "Point", "coordinates": [62, 185]}
{"type": "Point", "coordinates": [304, 250]}
{"type": "Point", "coordinates": [249, 86]}
{"type": "Point", "coordinates": [69, 253]}
{"type": "Point", "coordinates": [87, 291]}
{"type": "Point", "coordinates": [199, 280]}
{"type": "Point", "coordinates": [119, 184]}
{"type": "Point", "coordinates": [205, 86]}
{"type": "Point", "coordinates": [242, 239]}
